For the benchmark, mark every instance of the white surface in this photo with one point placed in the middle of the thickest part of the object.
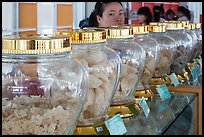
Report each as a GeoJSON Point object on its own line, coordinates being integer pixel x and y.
{"type": "Point", "coordinates": [46, 17]}
{"type": "Point", "coordinates": [89, 8]}
{"type": "Point", "coordinates": [8, 18]}
{"type": "Point", "coordinates": [78, 13]}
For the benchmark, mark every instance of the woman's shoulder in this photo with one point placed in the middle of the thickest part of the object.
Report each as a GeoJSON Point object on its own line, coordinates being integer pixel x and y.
{"type": "Point", "coordinates": [184, 18]}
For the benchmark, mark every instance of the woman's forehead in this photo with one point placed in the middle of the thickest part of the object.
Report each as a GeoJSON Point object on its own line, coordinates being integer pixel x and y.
{"type": "Point", "coordinates": [113, 6]}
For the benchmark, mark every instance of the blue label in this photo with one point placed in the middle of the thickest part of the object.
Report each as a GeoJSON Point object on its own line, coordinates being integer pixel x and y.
{"type": "Point", "coordinates": [144, 106]}
{"type": "Point", "coordinates": [174, 79]}
{"type": "Point", "coordinates": [115, 125]}
{"type": "Point", "coordinates": [163, 92]}
{"type": "Point", "coordinates": [200, 61]}
{"type": "Point", "coordinates": [195, 71]}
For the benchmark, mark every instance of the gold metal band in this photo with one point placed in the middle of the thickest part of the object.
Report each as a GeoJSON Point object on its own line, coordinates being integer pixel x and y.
{"type": "Point", "coordinates": [119, 31]}
{"type": "Point", "coordinates": [157, 28]}
{"type": "Point", "coordinates": [192, 26]}
{"type": "Point", "coordinates": [198, 25]}
{"type": "Point", "coordinates": [35, 44]}
{"type": "Point", "coordinates": [140, 29]}
{"type": "Point", "coordinates": [172, 25]}
{"type": "Point", "coordinates": [88, 35]}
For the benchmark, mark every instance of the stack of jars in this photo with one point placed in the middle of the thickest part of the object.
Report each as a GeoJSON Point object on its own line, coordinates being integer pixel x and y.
{"type": "Point", "coordinates": [103, 65]}
{"type": "Point", "coordinates": [167, 52]}
{"type": "Point", "coordinates": [151, 47]}
{"type": "Point", "coordinates": [132, 55]}
{"type": "Point", "coordinates": [43, 90]}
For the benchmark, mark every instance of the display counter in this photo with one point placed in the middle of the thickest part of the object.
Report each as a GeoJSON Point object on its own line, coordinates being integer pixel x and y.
{"type": "Point", "coordinates": [175, 115]}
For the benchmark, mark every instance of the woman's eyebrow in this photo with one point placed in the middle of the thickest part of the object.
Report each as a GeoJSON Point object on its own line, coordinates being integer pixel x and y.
{"type": "Point", "coordinates": [111, 11]}
{"type": "Point", "coordinates": [115, 11]}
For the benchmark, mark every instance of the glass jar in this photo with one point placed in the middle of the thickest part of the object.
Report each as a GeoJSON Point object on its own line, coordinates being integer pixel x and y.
{"type": "Point", "coordinates": [184, 46]}
{"type": "Point", "coordinates": [152, 50]}
{"type": "Point", "coordinates": [191, 32]}
{"type": "Point", "coordinates": [121, 40]}
{"type": "Point", "coordinates": [43, 91]}
{"type": "Point", "coordinates": [103, 65]}
{"type": "Point", "coordinates": [198, 32]}
{"type": "Point", "coordinates": [167, 50]}
{"type": "Point", "coordinates": [189, 29]}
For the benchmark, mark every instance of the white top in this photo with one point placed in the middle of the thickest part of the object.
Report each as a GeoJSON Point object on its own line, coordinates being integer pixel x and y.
{"type": "Point", "coordinates": [184, 18]}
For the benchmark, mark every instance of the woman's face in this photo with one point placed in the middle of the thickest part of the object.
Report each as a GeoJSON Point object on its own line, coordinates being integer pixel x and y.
{"type": "Point", "coordinates": [179, 14]}
{"type": "Point", "coordinates": [170, 16]}
{"type": "Point", "coordinates": [113, 15]}
{"type": "Point", "coordinates": [141, 18]}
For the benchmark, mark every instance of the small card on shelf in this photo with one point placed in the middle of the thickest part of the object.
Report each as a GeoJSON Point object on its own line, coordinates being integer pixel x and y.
{"type": "Point", "coordinates": [163, 92]}
{"type": "Point", "coordinates": [115, 125]}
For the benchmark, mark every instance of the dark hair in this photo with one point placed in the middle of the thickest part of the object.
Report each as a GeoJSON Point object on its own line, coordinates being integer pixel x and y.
{"type": "Point", "coordinates": [146, 12]}
{"type": "Point", "coordinates": [185, 11]}
{"type": "Point", "coordinates": [157, 13]}
{"type": "Point", "coordinates": [169, 12]}
{"type": "Point", "coordinates": [98, 10]}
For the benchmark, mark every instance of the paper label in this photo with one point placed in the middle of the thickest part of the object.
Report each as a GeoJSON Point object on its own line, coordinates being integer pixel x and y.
{"type": "Point", "coordinates": [174, 79]}
{"type": "Point", "coordinates": [163, 92]}
{"type": "Point", "coordinates": [195, 71]}
{"type": "Point", "coordinates": [200, 61]}
{"type": "Point", "coordinates": [115, 125]}
{"type": "Point", "coordinates": [144, 106]}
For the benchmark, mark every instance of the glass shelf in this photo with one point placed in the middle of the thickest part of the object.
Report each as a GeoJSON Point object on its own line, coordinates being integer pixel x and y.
{"type": "Point", "coordinates": [164, 116]}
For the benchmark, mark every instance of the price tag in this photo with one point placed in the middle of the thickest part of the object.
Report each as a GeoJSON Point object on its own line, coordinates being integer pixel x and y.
{"type": "Point", "coordinates": [200, 61]}
{"type": "Point", "coordinates": [195, 71]}
{"type": "Point", "coordinates": [163, 92]}
{"type": "Point", "coordinates": [174, 79]}
{"type": "Point", "coordinates": [102, 130]}
{"type": "Point", "coordinates": [115, 125]}
{"type": "Point", "coordinates": [144, 106]}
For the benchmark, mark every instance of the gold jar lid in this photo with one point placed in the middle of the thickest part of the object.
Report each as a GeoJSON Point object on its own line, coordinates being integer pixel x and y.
{"type": "Point", "coordinates": [140, 29]}
{"type": "Point", "coordinates": [192, 26]}
{"type": "Point", "coordinates": [153, 23]}
{"type": "Point", "coordinates": [172, 25]}
{"type": "Point", "coordinates": [35, 44]}
{"type": "Point", "coordinates": [185, 23]}
{"type": "Point", "coordinates": [119, 31]}
{"type": "Point", "coordinates": [157, 28]}
{"type": "Point", "coordinates": [86, 35]}
{"type": "Point", "coordinates": [197, 25]}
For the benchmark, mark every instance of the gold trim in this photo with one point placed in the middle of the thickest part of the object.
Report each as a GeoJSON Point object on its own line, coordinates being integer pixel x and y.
{"type": "Point", "coordinates": [35, 44]}
{"type": "Point", "coordinates": [157, 28]}
{"type": "Point", "coordinates": [153, 23]}
{"type": "Point", "coordinates": [119, 31]}
{"type": "Point", "coordinates": [140, 29]}
{"type": "Point", "coordinates": [198, 25]}
{"type": "Point", "coordinates": [185, 24]}
{"type": "Point", "coordinates": [172, 25]}
{"type": "Point", "coordinates": [192, 26]}
{"type": "Point", "coordinates": [87, 35]}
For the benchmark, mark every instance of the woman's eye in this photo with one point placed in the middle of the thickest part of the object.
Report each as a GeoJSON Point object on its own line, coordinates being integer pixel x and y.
{"type": "Point", "coordinates": [121, 13]}
{"type": "Point", "coordinates": [111, 14]}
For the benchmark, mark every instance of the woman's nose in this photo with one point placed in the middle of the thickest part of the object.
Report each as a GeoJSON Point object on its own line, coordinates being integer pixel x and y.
{"type": "Point", "coordinates": [118, 20]}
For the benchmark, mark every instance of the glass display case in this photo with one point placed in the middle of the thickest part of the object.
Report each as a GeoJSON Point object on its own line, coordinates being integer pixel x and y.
{"type": "Point", "coordinates": [180, 114]}
{"type": "Point", "coordinates": [166, 117]}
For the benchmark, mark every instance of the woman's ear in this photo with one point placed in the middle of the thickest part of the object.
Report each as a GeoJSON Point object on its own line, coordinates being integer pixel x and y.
{"type": "Point", "coordinates": [99, 19]}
